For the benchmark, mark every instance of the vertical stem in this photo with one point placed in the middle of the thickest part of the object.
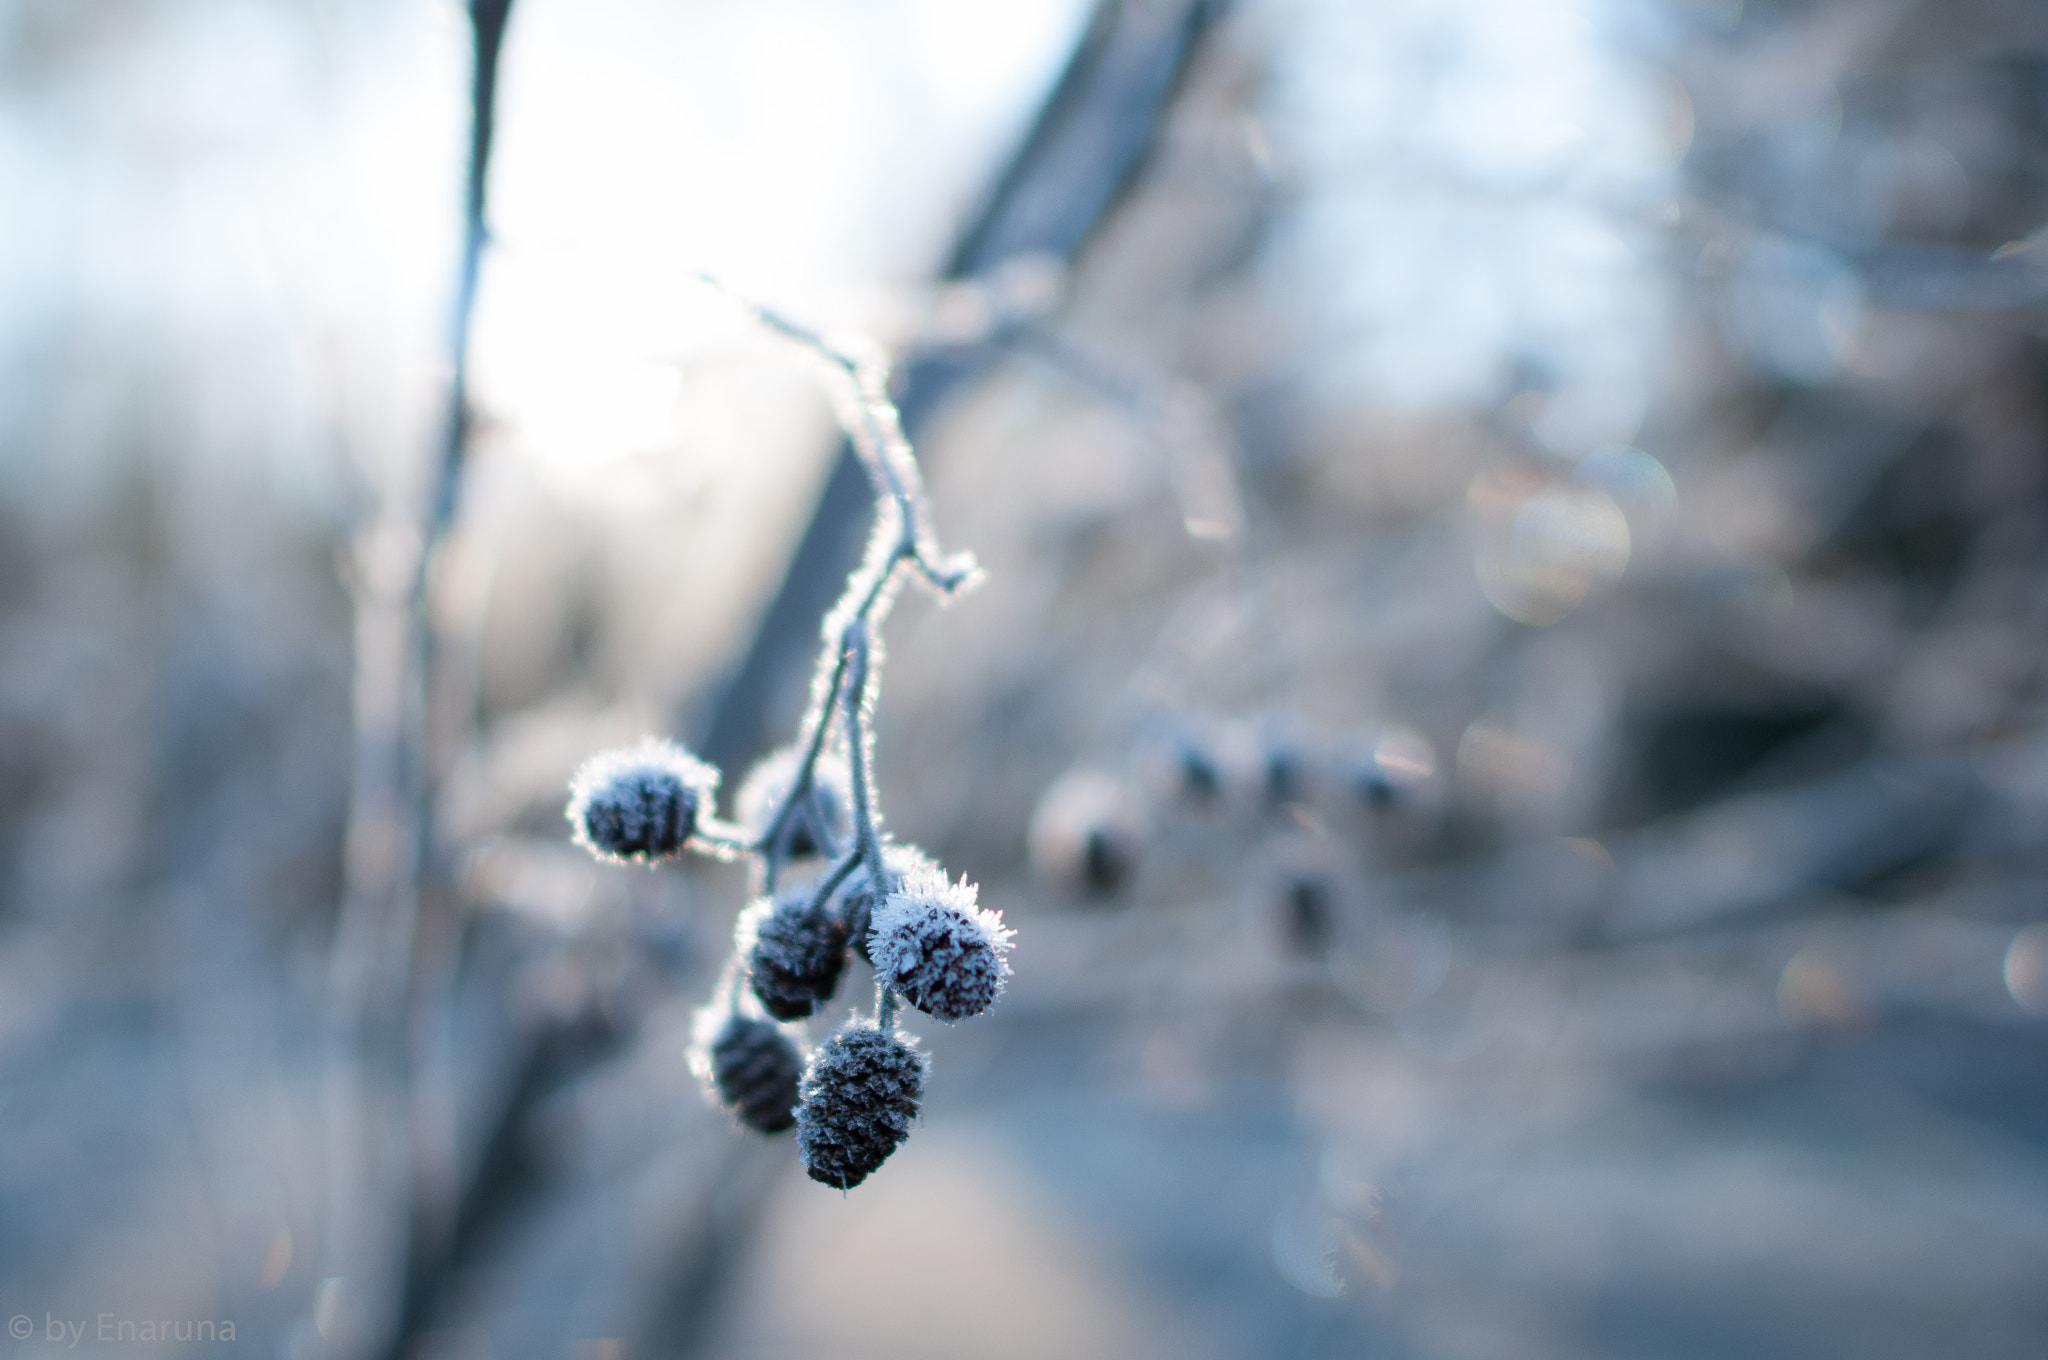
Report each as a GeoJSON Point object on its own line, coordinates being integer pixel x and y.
{"type": "Point", "coordinates": [487, 20]}
{"type": "Point", "coordinates": [868, 845]}
{"type": "Point", "coordinates": [866, 842]}
{"type": "Point", "coordinates": [828, 687]}
{"type": "Point", "coordinates": [368, 1183]}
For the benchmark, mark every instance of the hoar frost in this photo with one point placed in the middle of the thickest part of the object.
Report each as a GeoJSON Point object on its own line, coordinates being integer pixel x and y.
{"type": "Point", "coordinates": [944, 954]}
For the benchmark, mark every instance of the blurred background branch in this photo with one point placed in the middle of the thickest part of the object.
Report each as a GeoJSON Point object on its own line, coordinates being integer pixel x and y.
{"type": "Point", "coordinates": [1081, 154]}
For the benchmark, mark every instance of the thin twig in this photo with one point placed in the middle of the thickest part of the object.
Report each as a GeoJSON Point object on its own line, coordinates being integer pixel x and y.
{"type": "Point", "coordinates": [389, 851]}
{"type": "Point", "coordinates": [901, 536]}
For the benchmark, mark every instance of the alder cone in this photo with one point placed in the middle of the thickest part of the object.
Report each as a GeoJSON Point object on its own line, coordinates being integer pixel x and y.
{"type": "Point", "coordinates": [798, 954]}
{"type": "Point", "coordinates": [755, 1068]}
{"type": "Point", "coordinates": [640, 805]}
{"type": "Point", "coordinates": [858, 1098]}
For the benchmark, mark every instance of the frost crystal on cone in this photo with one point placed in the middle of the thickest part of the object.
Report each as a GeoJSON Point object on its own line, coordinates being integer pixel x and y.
{"type": "Point", "coordinates": [640, 803]}
{"type": "Point", "coordinates": [858, 1097]}
{"type": "Point", "coordinates": [940, 951]}
{"type": "Point", "coordinates": [798, 953]}
{"type": "Point", "coordinates": [754, 1069]}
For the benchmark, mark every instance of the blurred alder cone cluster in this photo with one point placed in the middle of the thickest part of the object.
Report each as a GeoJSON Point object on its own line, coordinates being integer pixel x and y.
{"type": "Point", "coordinates": [1735, 639]}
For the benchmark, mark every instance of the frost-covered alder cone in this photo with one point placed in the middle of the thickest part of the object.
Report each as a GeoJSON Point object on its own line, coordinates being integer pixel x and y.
{"type": "Point", "coordinates": [1304, 891]}
{"type": "Point", "coordinates": [937, 949]}
{"type": "Point", "coordinates": [1282, 761]}
{"type": "Point", "coordinates": [754, 1068]}
{"type": "Point", "coordinates": [1179, 759]}
{"type": "Point", "coordinates": [826, 810]}
{"type": "Point", "coordinates": [858, 1096]}
{"type": "Point", "coordinates": [798, 952]}
{"type": "Point", "coordinates": [1086, 833]}
{"type": "Point", "coordinates": [1393, 774]}
{"type": "Point", "coordinates": [641, 803]}
{"type": "Point", "coordinates": [855, 901]}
